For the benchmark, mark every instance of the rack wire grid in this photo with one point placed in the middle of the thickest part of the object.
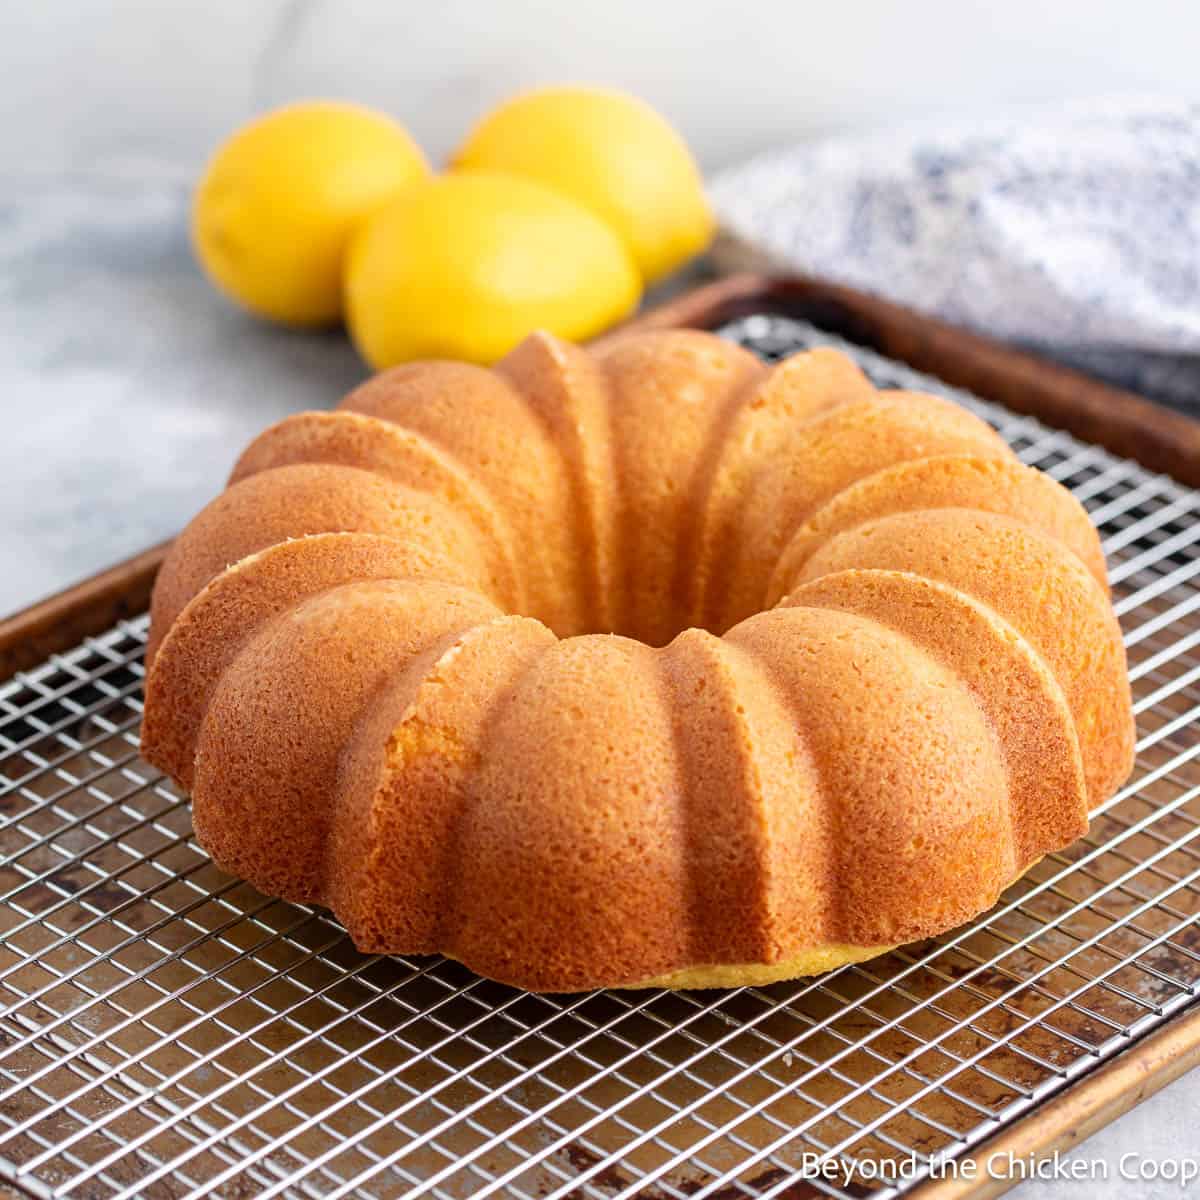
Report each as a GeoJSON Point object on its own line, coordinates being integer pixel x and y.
{"type": "Point", "coordinates": [165, 1031]}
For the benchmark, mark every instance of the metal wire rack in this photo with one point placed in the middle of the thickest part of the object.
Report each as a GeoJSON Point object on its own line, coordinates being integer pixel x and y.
{"type": "Point", "coordinates": [165, 1031]}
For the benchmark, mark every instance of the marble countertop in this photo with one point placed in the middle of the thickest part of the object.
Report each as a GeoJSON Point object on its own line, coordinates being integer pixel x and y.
{"type": "Point", "coordinates": [127, 385]}
{"type": "Point", "coordinates": [128, 388]}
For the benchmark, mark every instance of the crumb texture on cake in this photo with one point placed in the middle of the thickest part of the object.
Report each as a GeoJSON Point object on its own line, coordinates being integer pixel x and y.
{"type": "Point", "coordinates": [644, 665]}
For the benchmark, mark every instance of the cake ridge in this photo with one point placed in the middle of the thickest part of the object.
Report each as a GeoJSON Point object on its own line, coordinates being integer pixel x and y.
{"type": "Point", "coordinates": [485, 423]}
{"type": "Point", "coordinates": [265, 453]}
{"type": "Point", "coordinates": [487, 718]}
{"type": "Point", "coordinates": [787, 845]}
{"type": "Point", "coordinates": [686, 378]}
{"type": "Point", "coordinates": [1031, 497]}
{"type": "Point", "coordinates": [289, 501]}
{"type": "Point", "coordinates": [890, 836]}
{"type": "Point", "coordinates": [401, 740]}
{"type": "Point", "coordinates": [1037, 585]}
{"type": "Point", "coordinates": [690, 564]}
{"type": "Point", "coordinates": [727, 891]}
{"type": "Point", "coordinates": [278, 683]}
{"type": "Point", "coordinates": [1047, 790]}
{"type": "Point", "coordinates": [846, 441]}
{"type": "Point", "coordinates": [592, 498]}
{"type": "Point", "coordinates": [842, 383]}
{"type": "Point", "coordinates": [826, 916]}
{"type": "Point", "coordinates": [564, 895]}
{"type": "Point", "coordinates": [349, 557]}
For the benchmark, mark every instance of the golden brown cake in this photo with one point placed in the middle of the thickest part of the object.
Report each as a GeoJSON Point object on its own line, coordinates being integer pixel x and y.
{"type": "Point", "coordinates": [645, 664]}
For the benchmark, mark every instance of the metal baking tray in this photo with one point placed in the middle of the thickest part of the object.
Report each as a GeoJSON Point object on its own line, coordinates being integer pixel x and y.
{"type": "Point", "coordinates": [167, 1032]}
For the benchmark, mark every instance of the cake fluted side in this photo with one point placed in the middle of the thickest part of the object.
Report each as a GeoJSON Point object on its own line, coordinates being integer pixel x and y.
{"type": "Point", "coordinates": [1035, 584]}
{"type": "Point", "coordinates": [817, 459]}
{"type": "Point", "coordinates": [487, 425]}
{"type": "Point", "coordinates": [270, 744]}
{"type": "Point", "coordinates": [758, 838]}
{"type": "Point", "coordinates": [292, 501]}
{"type": "Point", "coordinates": [1019, 695]}
{"type": "Point", "coordinates": [670, 396]}
{"type": "Point", "coordinates": [214, 626]}
{"type": "Point", "coordinates": [792, 393]}
{"type": "Point", "coordinates": [575, 831]}
{"type": "Point", "coordinates": [569, 393]}
{"type": "Point", "coordinates": [997, 485]}
{"type": "Point", "coordinates": [916, 807]}
{"type": "Point", "coordinates": [395, 855]}
{"type": "Point", "coordinates": [400, 457]}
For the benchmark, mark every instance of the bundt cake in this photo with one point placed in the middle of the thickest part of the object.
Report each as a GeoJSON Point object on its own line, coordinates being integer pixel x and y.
{"type": "Point", "coordinates": [648, 664]}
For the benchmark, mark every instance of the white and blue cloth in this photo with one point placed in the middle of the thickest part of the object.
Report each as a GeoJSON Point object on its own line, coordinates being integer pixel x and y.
{"type": "Point", "coordinates": [1074, 233]}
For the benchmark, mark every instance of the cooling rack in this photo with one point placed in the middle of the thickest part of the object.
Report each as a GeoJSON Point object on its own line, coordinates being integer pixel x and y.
{"type": "Point", "coordinates": [165, 1031]}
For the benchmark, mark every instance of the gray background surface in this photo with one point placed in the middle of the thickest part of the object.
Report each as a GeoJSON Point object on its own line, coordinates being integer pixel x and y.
{"type": "Point", "coordinates": [89, 81]}
{"type": "Point", "coordinates": [127, 387]}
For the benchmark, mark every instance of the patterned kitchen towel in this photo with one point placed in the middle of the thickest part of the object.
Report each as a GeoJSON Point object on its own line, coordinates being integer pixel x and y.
{"type": "Point", "coordinates": [1076, 234]}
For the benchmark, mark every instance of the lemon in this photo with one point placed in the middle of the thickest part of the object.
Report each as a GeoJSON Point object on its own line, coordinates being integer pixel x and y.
{"type": "Point", "coordinates": [613, 154]}
{"type": "Point", "coordinates": [281, 198]}
{"type": "Point", "coordinates": [466, 265]}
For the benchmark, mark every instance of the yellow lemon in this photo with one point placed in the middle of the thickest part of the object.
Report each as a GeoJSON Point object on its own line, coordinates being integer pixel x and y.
{"type": "Point", "coordinates": [466, 265]}
{"type": "Point", "coordinates": [280, 200]}
{"type": "Point", "coordinates": [613, 154]}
